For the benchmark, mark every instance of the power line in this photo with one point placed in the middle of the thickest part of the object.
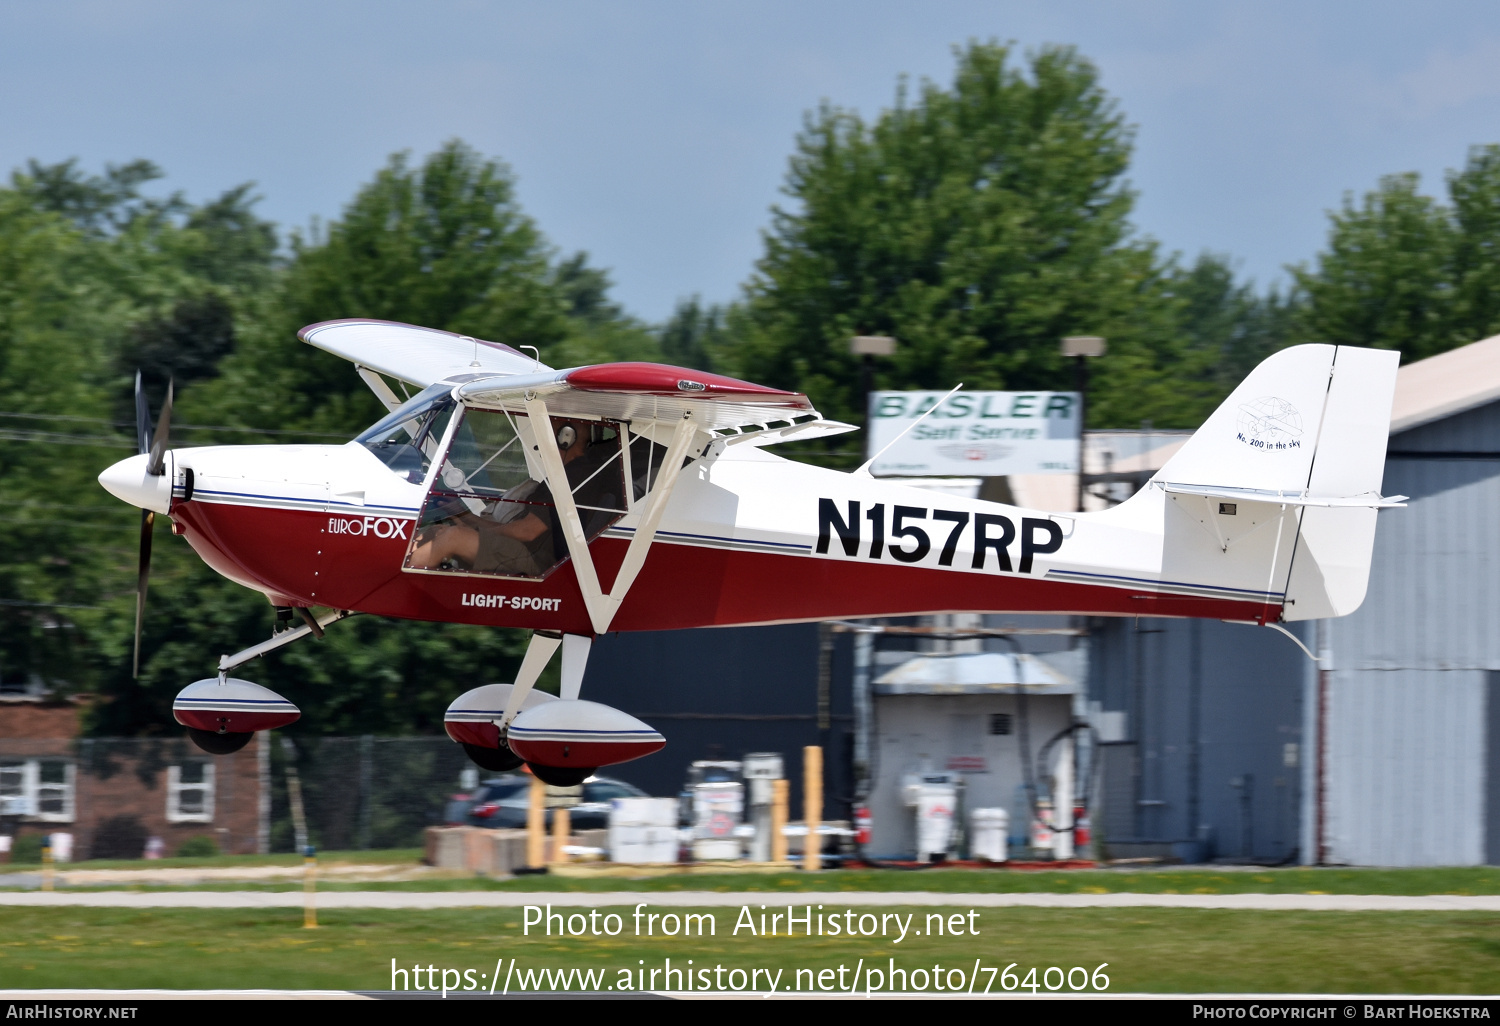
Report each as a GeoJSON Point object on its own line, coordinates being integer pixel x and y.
{"type": "Point", "coordinates": [175, 427]}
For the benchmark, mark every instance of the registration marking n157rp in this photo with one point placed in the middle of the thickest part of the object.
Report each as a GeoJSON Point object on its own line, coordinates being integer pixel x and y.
{"type": "Point", "coordinates": [380, 527]}
{"type": "Point", "coordinates": [546, 605]}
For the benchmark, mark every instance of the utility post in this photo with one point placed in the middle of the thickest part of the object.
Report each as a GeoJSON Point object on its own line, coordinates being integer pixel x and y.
{"type": "Point", "coordinates": [867, 347]}
{"type": "Point", "coordinates": [1081, 348]}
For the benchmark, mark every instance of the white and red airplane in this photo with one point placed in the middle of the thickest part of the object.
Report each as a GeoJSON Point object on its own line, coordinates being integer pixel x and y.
{"type": "Point", "coordinates": [636, 496]}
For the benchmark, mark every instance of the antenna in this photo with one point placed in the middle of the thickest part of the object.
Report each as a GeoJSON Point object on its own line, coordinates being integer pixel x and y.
{"type": "Point", "coordinates": [536, 356]}
{"type": "Point", "coordinates": [865, 467]}
{"type": "Point", "coordinates": [475, 361]}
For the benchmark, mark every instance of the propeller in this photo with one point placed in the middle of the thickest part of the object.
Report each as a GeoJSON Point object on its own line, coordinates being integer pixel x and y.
{"type": "Point", "coordinates": [152, 444]}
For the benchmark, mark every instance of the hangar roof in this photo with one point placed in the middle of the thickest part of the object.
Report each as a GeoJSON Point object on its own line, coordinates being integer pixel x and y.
{"type": "Point", "coordinates": [973, 673]}
{"type": "Point", "coordinates": [1452, 382]}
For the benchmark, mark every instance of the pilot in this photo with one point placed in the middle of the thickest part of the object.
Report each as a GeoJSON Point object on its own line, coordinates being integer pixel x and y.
{"type": "Point", "coordinates": [523, 535]}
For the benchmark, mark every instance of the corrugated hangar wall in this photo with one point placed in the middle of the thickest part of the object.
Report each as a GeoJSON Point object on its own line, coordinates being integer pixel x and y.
{"type": "Point", "coordinates": [1212, 740]}
{"type": "Point", "coordinates": [1410, 702]}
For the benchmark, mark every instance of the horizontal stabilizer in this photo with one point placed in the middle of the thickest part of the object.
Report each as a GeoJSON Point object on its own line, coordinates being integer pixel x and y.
{"type": "Point", "coordinates": [1370, 500]}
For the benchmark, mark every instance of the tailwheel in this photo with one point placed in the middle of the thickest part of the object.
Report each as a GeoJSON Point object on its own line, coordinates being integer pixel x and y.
{"type": "Point", "coordinates": [215, 743]}
{"type": "Point", "coordinates": [496, 760]}
{"type": "Point", "coordinates": [561, 776]}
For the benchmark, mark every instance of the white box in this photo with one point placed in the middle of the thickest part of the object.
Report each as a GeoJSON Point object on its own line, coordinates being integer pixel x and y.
{"type": "Point", "coordinates": [655, 812]}
{"type": "Point", "coordinates": [631, 843]}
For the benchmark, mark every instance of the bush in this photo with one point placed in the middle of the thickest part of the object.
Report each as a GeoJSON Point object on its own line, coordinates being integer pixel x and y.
{"type": "Point", "coordinates": [119, 837]}
{"type": "Point", "coordinates": [26, 849]}
{"type": "Point", "coordinates": [198, 846]}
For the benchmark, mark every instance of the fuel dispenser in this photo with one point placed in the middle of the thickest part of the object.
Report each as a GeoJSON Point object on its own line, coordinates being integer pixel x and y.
{"type": "Point", "coordinates": [761, 771]}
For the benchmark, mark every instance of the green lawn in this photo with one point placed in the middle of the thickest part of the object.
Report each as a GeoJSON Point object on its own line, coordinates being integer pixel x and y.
{"type": "Point", "coordinates": [1162, 950]}
{"type": "Point", "coordinates": [1459, 880]}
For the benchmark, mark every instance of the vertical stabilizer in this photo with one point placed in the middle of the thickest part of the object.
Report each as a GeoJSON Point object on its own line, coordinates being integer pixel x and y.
{"type": "Point", "coordinates": [1331, 566]}
{"type": "Point", "coordinates": [1264, 435]}
{"type": "Point", "coordinates": [1274, 498]}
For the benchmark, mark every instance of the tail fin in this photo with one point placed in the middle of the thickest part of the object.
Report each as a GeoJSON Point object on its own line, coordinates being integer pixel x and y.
{"type": "Point", "coordinates": [1299, 444]}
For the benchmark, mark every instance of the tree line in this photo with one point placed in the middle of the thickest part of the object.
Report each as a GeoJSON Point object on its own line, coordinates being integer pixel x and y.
{"type": "Point", "coordinates": [977, 221]}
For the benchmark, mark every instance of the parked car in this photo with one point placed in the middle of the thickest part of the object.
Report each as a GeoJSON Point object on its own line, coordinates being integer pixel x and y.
{"type": "Point", "coordinates": [502, 802]}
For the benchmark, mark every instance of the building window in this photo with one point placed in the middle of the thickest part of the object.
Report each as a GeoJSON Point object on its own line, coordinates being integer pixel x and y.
{"type": "Point", "coordinates": [190, 793]}
{"type": "Point", "coordinates": [999, 723]}
{"type": "Point", "coordinates": [38, 789]}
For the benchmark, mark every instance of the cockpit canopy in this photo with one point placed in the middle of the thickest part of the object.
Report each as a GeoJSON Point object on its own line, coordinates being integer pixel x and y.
{"type": "Point", "coordinates": [406, 438]}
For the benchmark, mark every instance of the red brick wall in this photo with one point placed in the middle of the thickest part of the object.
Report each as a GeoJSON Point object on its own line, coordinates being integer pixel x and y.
{"type": "Point", "coordinates": [128, 777]}
{"type": "Point", "coordinates": [39, 720]}
{"type": "Point", "coordinates": [125, 793]}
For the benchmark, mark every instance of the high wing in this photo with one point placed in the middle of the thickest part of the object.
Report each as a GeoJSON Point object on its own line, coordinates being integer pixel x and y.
{"type": "Point", "coordinates": [495, 376]}
{"type": "Point", "coordinates": [418, 356]}
{"type": "Point", "coordinates": [646, 394]}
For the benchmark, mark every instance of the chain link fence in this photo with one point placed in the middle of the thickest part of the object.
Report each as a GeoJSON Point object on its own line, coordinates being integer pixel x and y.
{"type": "Point", "coordinates": [117, 797]}
{"type": "Point", "coordinates": [363, 792]}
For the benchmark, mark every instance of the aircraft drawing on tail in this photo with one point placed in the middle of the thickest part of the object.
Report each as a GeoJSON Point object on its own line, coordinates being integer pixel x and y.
{"type": "Point", "coordinates": [637, 496]}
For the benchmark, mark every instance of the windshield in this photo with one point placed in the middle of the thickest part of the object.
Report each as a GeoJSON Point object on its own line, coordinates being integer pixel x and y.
{"type": "Point", "coordinates": [406, 438]}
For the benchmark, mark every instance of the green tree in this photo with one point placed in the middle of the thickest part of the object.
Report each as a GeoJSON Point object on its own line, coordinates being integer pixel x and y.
{"type": "Point", "coordinates": [1405, 271]}
{"type": "Point", "coordinates": [1475, 195]}
{"type": "Point", "coordinates": [696, 336]}
{"type": "Point", "coordinates": [58, 544]}
{"type": "Point", "coordinates": [1225, 325]}
{"type": "Point", "coordinates": [978, 224]}
{"type": "Point", "coordinates": [1385, 279]}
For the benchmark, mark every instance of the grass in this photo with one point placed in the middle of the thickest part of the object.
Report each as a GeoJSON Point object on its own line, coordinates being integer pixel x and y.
{"type": "Point", "coordinates": [1154, 950]}
{"type": "Point", "coordinates": [1206, 880]}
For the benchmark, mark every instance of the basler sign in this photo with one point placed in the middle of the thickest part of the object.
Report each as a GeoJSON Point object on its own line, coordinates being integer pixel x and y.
{"type": "Point", "coordinates": [975, 434]}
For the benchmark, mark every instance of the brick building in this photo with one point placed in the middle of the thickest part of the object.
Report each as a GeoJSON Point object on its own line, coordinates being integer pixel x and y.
{"type": "Point", "coordinates": [112, 794]}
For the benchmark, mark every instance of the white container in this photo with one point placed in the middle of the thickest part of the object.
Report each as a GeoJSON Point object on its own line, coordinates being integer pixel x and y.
{"type": "Point", "coordinates": [988, 829]}
{"type": "Point", "coordinates": [1042, 837]}
{"type": "Point", "coordinates": [935, 805]}
{"type": "Point", "coordinates": [643, 830]}
{"type": "Point", "coordinates": [655, 812]}
{"type": "Point", "coordinates": [643, 845]}
{"type": "Point", "coordinates": [718, 809]}
{"type": "Point", "coordinates": [62, 846]}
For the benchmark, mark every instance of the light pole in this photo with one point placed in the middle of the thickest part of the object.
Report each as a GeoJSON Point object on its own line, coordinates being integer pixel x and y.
{"type": "Point", "coordinates": [867, 347]}
{"type": "Point", "coordinates": [1081, 348]}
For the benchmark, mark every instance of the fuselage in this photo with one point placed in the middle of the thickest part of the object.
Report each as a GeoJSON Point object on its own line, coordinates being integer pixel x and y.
{"type": "Point", "coordinates": [747, 538]}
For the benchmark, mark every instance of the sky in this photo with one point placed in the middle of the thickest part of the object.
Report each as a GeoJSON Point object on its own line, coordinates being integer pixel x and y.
{"type": "Point", "coordinates": [655, 134]}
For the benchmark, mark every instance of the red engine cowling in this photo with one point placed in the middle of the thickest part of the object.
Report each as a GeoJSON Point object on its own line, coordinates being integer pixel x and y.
{"type": "Point", "coordinates": [232, 706]}
{"type": "Point", "coordinates": [569, 733]}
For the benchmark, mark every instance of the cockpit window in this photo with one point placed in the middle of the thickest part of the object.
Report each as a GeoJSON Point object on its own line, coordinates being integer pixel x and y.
{"type": "Point", "coordinates": [407, 437]}
{"type": "Point", "coordinates": [490, 509]}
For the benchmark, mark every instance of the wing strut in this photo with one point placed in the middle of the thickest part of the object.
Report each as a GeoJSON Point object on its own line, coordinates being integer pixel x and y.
{"type": "Point", "coordinates": [538, 654]}
{"type": "Point", "coordinates": [602, 607]}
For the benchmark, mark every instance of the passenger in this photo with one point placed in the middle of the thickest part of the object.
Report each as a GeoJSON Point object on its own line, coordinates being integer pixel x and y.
{"type": "Point", "coordinates": [522, 535]}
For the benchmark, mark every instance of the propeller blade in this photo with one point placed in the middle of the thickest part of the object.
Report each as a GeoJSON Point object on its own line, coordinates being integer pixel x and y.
{"type": "Point", "coordinates": [142, 418]}
{"type": "Point", "coordinates": [148, 521]}
{"type": "Point", "coordinates": [156, 466]}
